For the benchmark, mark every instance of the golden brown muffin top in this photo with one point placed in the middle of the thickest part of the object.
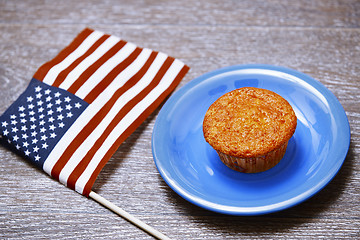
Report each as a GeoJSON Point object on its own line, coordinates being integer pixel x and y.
{"type": "Point", "coordinates": [249, 122]}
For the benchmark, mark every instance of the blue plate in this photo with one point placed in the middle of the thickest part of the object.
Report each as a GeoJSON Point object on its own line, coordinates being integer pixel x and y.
{"type": "Point", "coordinates": [192, 168]}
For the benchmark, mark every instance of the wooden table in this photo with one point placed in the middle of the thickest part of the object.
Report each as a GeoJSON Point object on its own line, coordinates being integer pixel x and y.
{"type": "Point", "coordinates": [319, 38]}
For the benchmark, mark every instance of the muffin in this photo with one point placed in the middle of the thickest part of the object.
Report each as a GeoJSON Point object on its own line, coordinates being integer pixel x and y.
{"type": "Point", "coordinates": [250, 128]}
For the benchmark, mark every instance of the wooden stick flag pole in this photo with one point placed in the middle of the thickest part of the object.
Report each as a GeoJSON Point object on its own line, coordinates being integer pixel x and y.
{"type": "Point", "coordinates": [127, 216]}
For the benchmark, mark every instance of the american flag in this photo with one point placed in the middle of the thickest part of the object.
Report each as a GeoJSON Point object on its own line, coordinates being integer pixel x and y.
{"type": "Point", "coordinates": [80, 106]}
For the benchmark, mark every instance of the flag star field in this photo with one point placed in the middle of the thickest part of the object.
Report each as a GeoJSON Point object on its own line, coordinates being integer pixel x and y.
{"type": "Point", "coordinates": [39, 118]}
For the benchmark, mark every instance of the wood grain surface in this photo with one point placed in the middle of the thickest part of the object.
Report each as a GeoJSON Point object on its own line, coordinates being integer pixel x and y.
{"type": "Point", "coordinates": [320, 38]}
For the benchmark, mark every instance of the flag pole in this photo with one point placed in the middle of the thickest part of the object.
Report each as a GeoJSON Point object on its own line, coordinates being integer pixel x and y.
{"type": "Point", "coordinates": [127, 216]}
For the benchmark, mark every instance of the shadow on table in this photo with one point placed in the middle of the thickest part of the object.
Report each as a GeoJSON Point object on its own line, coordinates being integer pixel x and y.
{"type": "Point", "coordinates": [313, 208]}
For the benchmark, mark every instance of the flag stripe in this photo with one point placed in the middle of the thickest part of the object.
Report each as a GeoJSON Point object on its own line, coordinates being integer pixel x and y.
{"type": "Point", "coordinates": [94, 67]}
{"type": "Point", "coordinates": [88, 130]}
{"type": "Point", "coordinates": [120, 115]}
{"type": "Point", "coordinates": [85, 161]}
{"type": "Point", "coordinates": [120, 103]}
{"type": "Point", "coordinates": [63, 74]}
{"type": "Point", "coordinates": [44, 69]}
{"type": "Point", "coordinates": [88, 60]}
{"type": "Point", "coordinates": [137, 115]}
{"type": "Point", "coordinates": [100, 87]}
{"type": "Point", "coordinates": [86, 126]}
{"type": "Point", "coordinates": [84, 46]}
{"type": "Point", "coordinates": [91, 110]}
{"type": "Point", "coordinates": [104, 70]}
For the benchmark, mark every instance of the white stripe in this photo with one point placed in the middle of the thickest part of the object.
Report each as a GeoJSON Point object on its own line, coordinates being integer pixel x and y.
{"type": "Point", "coordinates": [105, 69]}
{"type": "Point", "coordinates": [84, 148]}
{"type": "Point", "coordinates": [84, 46]}
{"type": "Point", "coordinates": [87, 115]}
{"type": "Point", "coordinates": [88, 61]}
{"type": "Point", "coordinates": [166, 81]}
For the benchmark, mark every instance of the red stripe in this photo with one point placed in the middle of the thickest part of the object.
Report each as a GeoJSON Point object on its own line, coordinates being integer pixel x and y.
{"type": "Point", "coordinates": [44, 69]}
{"type": "Point", "coordinates": [132, 128]}
{"type": "Point", "coordinates": [80, 168]}
{"type": "Point", "coordinates": [95, 66]}
{"type": "Point", "coordinates": [63, 74]}
{"type": "Point", "coordinates": [87, 130]}
{"type": "Point", "coordinates": [99, 88]}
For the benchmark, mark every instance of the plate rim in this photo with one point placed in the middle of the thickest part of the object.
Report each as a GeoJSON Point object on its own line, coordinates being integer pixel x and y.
{"type": "Point", "coordinates": [246, 211]}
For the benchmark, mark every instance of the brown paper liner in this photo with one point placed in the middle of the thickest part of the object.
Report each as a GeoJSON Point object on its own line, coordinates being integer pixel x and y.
{"type": "Point", "coordinates": [254, 164]}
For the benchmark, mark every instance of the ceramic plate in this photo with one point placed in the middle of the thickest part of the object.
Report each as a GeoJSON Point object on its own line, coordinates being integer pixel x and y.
{"type": "Point", "coordinates": [192, 168]}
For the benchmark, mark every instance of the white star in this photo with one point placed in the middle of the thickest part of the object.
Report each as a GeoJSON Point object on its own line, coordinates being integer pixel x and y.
{"type": "Point", "coordinates": [77, 105]}
{"type": "Point", "coordinates": [49, 105]}
{"type": "Point", "coordinates": [23, 120]}
{"type": "Point", "coordinates": [57, 94]}
{"type": "Point", "coordinates": [48, 99]}
{"type": "Point", "coordinates": [17, 146]}
{"type": "Point", "coordinates": [42, 130]}
{"type": "Point", "coordinates": [61, 125]}
{"type": "Point", "coordinates": [41, 116]}
{"type": "Point", "coordinates": [39, 103]}
{"type": "Point", "coordinates": [24, 128]}
{"type": "Point", "coordinates": [4, 124]}
{"type": "Point", "coordinates": [32, 127]}
{"type": "Point", "coordinates": [42, 122]}
{"type": "Point", "coordinates": [31, 106]}
{"type": "Point", "coordinates": [40, 110]}
{"type": "Point", "coordinates": [24, 136]}
{"type": "Point", "coordinates": [69, 115]}
{"type": "Point", "coordinates": [67, 99]}
{"type": "Point", "coordinates": [52, 135]}
{"type": "Point", "coordinates": [13, 116]}
{"type": "Point", "coordinates": [51, 119]}
{"type": "Point", "coordinates": [34, 141]}
{"type": "Point", "coordinates": [22, 115]}
{"type": "Point", "coordinates": [21, 108]}
{"type": "Point", "coordinates": [47, 91]}
{"type": "Point", "coordinates": [32, 119]}
{"type": "Point", "coordinates": [25, 144]}
{"type": "Point", "coordinates": [27, 153]}
{"type": "Point", "coordinates": [58, 101]}
{"type": "Point", "coordinates": [39, 95]}
{"type": "Point", "coordinates": [44, 137]}
{"type": "Point", "coordinates": [52, 127]}
{"type": "Point", "coordinates": [38, 89]}
{"type": "Point", "coordinates": [59, 109]}
{"type": "Point", "coordinates": [45, 146]}
{"type": "Point", "coordinates": [37, 158]}
{"type": "Point", "coordinates": [34, 133]}
{"type": "Point", "coordinates": [5, 132]}
{"type": "Point", "coordinates": [31, 113]}
{"type": "Point", "coordinates": [68, 107]}
{"type": "Point", "coordinates": [36, 149]}
{"type": "Point", "coordinates": [14, 122]}
{"type": "Point", "coordinates": [14, 129]}
{"type": "Point", "coordinates": [50, 112]}
{"type": "Point", "coordinates": [30, 99]}
{"type": "Point", "coordinates": [60, 117]}
{"type": "Point", "coordinates": [15, 138]}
